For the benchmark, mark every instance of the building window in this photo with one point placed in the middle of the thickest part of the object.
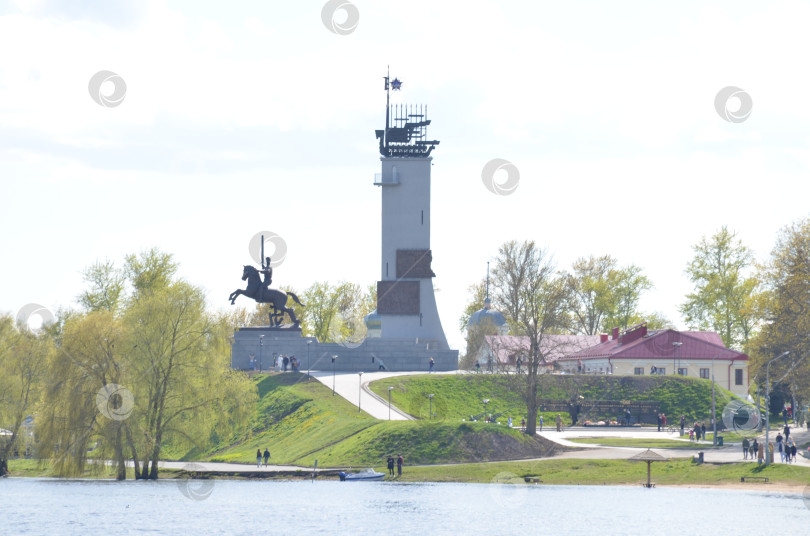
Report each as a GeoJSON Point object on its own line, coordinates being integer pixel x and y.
{"type": "Point", "coordinates": [704, 373]}
{"type": "Point", "coordinates": [661, 371]}
{"type": "Point", "coordinates": [738, 377]}
{"type": "Point", "coordinates": [682, 372]}
{"type": "Point", "coordinates": [638, 371]}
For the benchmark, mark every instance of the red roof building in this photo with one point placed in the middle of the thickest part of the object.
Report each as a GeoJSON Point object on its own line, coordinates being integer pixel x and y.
{"type": "Point", "coordinates": [686, 353]}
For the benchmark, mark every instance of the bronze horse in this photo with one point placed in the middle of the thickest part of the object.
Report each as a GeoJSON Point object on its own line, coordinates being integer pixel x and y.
{"type": "Point", "coordinates": [277, 298]}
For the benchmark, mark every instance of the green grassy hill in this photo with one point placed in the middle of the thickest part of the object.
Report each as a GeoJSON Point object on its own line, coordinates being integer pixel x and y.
{"type": "Point", "coordinates": [300, 421]}
{"type": "Point", "coordinates": [460, 396]}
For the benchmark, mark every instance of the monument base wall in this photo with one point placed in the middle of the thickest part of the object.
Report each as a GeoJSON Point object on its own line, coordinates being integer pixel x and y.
{"type": "Point", "coordinates": [397, 355]}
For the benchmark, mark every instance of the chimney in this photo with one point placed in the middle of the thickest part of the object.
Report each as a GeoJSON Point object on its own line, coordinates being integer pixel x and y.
{"type": "Point", "coordinates": [603, 337]}
{"type": "Point", "coordinates": [615, 334]}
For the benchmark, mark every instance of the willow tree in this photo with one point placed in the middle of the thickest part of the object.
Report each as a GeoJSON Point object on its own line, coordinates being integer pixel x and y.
{"type": "Point", "coordinates": [180, 373]}
{"type": "Point", "coordinates": [532, 296]}
{"type": "Point", "coordinates": [23, 361]}
{"type": "Point", "coordinates": [78, 417]}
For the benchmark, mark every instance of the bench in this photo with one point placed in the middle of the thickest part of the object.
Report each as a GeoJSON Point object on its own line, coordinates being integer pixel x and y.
{"type": "Point", "coordinates": [758, 478]}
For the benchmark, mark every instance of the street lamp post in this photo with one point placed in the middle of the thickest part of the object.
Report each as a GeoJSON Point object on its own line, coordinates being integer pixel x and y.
{"type": "Point", "coordinates": [333, 374]}
{"type": "Point", "coordinates": [261, 346]}
{"type": "Point", "coordinates": [768, 401]}
{"type": "Point", "coordinates": [308, 343]}
{"type": "Point", "coordinates": [359, 388]}
{"type": "Point", "coordinates": [675, 347]}
{"type": "Point", "coordinates": [389, 402]}
{"type": "Point", "coordinates": [430, 411]}
{"type": "Point", "coordinates": [714, 411]}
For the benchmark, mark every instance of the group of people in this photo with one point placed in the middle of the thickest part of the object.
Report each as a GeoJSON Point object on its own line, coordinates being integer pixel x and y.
{"type": "Point", "coordinates": [284, 361]}
{"type": "Point", "coordinates": [697, 431]}
{"type": "Point", "coordinates": [399, 461]}
{"type": "Point", "coordinates": [662, 421]}
{"type": "Point", "coordinates": [785, 446]}
{"type": "Point", "coordinates": [260, 456]}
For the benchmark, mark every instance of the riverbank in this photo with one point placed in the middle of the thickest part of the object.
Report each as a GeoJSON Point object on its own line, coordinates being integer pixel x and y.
{"type": "Point", "coordinates": [680, 472]}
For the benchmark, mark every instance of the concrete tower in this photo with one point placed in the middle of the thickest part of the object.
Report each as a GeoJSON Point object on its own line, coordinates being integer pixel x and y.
{"type": "Point", "coordinates": [405, 300]}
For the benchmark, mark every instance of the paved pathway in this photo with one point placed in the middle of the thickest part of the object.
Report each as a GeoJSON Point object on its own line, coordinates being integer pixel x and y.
{"type": "Point", "coordinates": [351, 386]}
{"type": "Point", "coordinates": [727, 454]}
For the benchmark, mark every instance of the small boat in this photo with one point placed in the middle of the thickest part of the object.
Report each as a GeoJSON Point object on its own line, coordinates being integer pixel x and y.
{"type": "Point", "coordinates": [365, 474]}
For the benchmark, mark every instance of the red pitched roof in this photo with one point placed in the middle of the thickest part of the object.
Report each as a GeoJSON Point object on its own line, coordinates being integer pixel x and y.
{"type": "Point", "coordinates": [659, 345]}
{"type": "Point", "coordinates": [552, 347]}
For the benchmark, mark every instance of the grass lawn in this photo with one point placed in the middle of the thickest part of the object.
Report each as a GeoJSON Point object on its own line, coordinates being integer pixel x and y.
{"type": "Point", "coordinates": [680, 471]}
{"type": "Point", "coordinates": [461, 396]}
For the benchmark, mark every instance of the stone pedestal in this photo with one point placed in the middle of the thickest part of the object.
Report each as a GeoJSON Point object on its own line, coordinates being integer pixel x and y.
{"type": "Point", "coordinates": [396, 354]}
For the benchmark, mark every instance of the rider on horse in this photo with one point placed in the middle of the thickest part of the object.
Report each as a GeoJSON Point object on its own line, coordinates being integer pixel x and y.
{"type": "Point", "coordinates": [267, 270]}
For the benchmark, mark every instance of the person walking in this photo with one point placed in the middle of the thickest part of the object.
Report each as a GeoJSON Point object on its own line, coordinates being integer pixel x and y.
{"type": "Point", "coordinates": [266, 456]}
{"type": "Point", "coordinates": [664, 421]}
{"type": "Point", "coordinates": [285, 362]}
{"type": "Point", "coordinates": [787, 432]}
{"type": "Point", "coordinates": [541, 423]}
{"type": "Point", "coordinates": [477, 367]}
{"type": "Point", "coordinates": [432, 363]}
{"type": "Point", "coordinates": [510, 422]}
{"type": "Point", "coordinates": [790, 449]}
{"type": "Point", "coordinates": [760, 452]}
{"type": "Point", "coordinates": [703, 430]}
{"type": "Point", "coordinates": [400, 461]}
{"type": "Point", "coordinates": [745, 446]}
{"type": "Point", "coordinates": [523, 424]}
{"type": "Point", "coordinates": [390, 465]}
{"type": "Point", "coordinates": [683, 423]}
{"type": "Point", "coordinates": [258, 458]}
{"type": "Point", "coordinates": [780, 447]}
{"type": "Point", "coordinates": [659, 422]}
{"type": "Point", "coordinates": [559, 423]}
{"type": "Point", "coordinates": [752, 449]}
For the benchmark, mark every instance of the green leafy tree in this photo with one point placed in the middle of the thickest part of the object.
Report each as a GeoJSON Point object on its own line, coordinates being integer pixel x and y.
{"type": "Point", "coordinates": [106, 288]}
{"type": "Point", "coordinates": [725, 295]}
{"type": "Point", "coordinates": [603, 295]}
{"type": "Point", "coordinates": [785, 304]}
{"type": "Point", "coordinates": [533, 298]}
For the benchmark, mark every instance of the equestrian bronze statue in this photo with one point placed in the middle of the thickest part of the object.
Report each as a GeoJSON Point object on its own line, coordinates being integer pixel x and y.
{"type": "Point", "coordinates": [261, 292]}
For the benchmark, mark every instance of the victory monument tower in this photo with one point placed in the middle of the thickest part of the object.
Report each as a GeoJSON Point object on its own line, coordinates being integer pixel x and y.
{"type": "Point", "coordinates": [405, 300]}
{"type": "Point", "coordinates": [404, 333]}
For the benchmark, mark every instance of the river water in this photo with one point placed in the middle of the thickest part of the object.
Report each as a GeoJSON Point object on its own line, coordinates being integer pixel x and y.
{"type": "Point", "coordinates": [46, 506]}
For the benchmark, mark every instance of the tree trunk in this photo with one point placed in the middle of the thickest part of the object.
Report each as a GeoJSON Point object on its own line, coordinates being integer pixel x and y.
{"type": "Point", "coordinates": [119, 455]}
{"type": "Point", "coordinates": [531, 401]}
{"type": "Point", "coordinates": [134, 453]}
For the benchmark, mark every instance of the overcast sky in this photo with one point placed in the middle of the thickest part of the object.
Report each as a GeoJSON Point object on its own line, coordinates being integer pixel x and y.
{"type": "Point", "coordinates": [248, 116]}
